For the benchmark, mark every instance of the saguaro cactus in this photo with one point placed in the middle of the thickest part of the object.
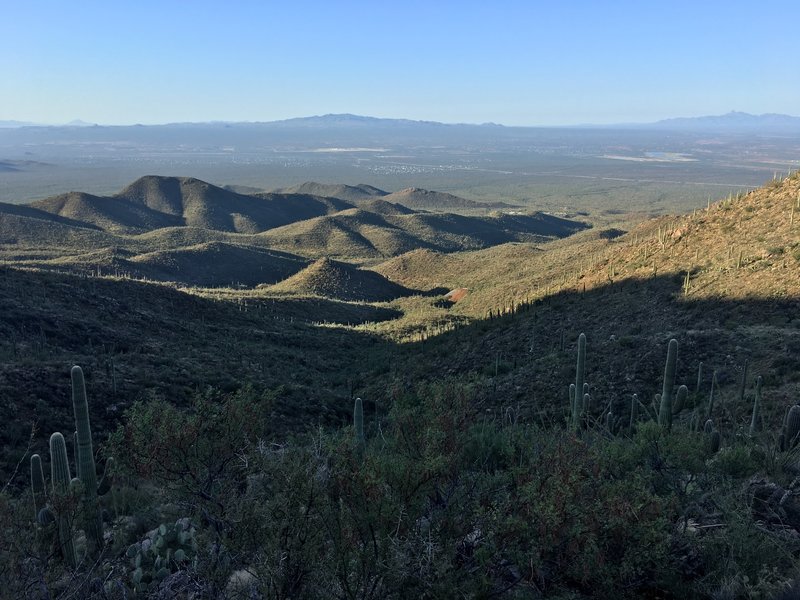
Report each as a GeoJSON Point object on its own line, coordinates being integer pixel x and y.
{"type": "Point", "coordinates": [711, 394]}
{"type": "Point", "coordinates": [92, 519]}
{"type": "Point", "coordinates": [743, 382]}
{"type": "Point", "coordinates": [699, 378]}
{"type": "Point", "coordinates": [572, 401]}
{"type": "Point", "coordinates": [792, 426]}
{"type": "Point", "coordinates": [37, 485]}
{"type": "Point", "coordinates": [634, 411]}
{"type": "Point", "coordinates": [358, 424]}
{"type": "Point", "coordinates": [665, 410]}
{"type": "Point", "coordinates": [755, 422]}
{"type": "Point", "coordinates": [680, 399]}
{"type": "Point", "coordinates": [580, 369]}
{"type": "Point", "coordinates": [60, 477]}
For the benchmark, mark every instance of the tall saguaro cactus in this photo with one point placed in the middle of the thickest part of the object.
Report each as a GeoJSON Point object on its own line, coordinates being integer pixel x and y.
{"type": "Point", "coordinates": [92, 519]}
{"type": "Point", "coordinates": [59, 475]}
{"type": "Point", "coordinates": [665, 410]}
{"type": "Point", "coordinates": [358, 425]}
{"type": "Point", "coordinates": [580, 370]}
{"type": "Point", "coordinates": [755, 422]}
{"type": "Point", "coordinates": [792, 426]}
{"type": "Point", "coordinates": [37, 485]}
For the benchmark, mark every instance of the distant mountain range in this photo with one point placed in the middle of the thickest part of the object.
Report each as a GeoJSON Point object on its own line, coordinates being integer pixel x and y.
{"type": "Point", "coordinates": [733, 121]}
{"type": "Point", "coordinates": [729, 121]}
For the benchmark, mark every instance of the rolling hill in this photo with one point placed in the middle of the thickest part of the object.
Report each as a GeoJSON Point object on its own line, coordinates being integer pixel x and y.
{"type": "Point", "coordinates": [740, 247]}
{"type": "Point", "coordinates": [153, 202]}
{"type": "Point", "coordinates": [350, 193]}
{"type": "Point", "coordinates": [207, 264]}
{"type": "Point", "coordinates": [341, 281]}
{"type": "Point", "coordinates": [429, 200]}
{"type": "Point", "coordinates": [362, 234]}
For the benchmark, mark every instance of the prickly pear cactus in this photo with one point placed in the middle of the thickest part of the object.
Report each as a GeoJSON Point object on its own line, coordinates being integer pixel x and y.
{"type": "Point", "coordinates": [164, 551]}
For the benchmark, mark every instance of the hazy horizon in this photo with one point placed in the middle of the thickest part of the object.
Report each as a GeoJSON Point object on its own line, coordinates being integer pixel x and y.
{"type": "Point", "coordinates": [515, 64]}
{"type": "Point", "coordinates": [88, 122]}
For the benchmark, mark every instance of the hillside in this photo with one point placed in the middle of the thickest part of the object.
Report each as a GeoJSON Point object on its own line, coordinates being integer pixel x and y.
{"type": "Point", "coordinates": [218, 264]}
{"type": "Point", "coordinates": [207, 264]}
{"type": "Point", "coordinates": [350, 193]}
{"type": "Point", "coordinates": [109, 214]}
{"type": "Point", "coordinates": [629, 293]}
{"type": "Point", "coordinates": [462, 398]}
{"type": "Point", "coordinates": [153, 202]}
{"type": "Point", "coordinates": [441, 201]}
{"type": "Point", "coordinates": [362, 234]}
{"type": "Point", "coordinates": [333, 279]}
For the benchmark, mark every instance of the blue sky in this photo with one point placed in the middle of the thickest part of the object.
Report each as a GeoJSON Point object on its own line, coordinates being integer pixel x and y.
{"type": "Point", "coordinates": [517, 63]}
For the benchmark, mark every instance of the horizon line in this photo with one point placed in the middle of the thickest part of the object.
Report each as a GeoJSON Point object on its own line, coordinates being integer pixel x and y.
{"type": "Point", "coordinates": [79, 123]}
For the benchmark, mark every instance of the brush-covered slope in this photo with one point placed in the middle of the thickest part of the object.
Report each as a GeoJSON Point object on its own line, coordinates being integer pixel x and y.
{"type": "Point", "coordinates": [24, 227]}
{"type": "Point", "coordinates": [219, 264]}
{"type": "Point", "coordinates": [431, 200]}
{"type": "Point", "coordinates": [110, 214]}
{"type": "Point", "coordinates": [364, 234]}
{"type": "Point", "coordinates": [333, 279]}
{"type": "Point", "coordinates": [351, 193]}
{"type": "Point", "coordinates": [134, 339]}
{"type": "Point", "coordinates": [153, 202]}
{"type": "Point", "coordinates": [741, 247]}
{"type": "Point", "coordinates": [207, 264]}
{"type": "Point", "coordinates": [200, 204]}
{"type": "Point", "coordinates": [629, 294]}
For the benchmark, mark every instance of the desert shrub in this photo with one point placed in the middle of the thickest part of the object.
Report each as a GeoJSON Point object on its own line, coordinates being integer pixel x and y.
{"type": "Point", "coordinates": [443, 501]}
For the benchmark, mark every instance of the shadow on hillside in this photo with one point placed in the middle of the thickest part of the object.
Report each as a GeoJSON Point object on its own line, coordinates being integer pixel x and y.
{"type": "Point", "coordinates": [139, 340]}
{"type": "Point", "coordinates": [526, 359]}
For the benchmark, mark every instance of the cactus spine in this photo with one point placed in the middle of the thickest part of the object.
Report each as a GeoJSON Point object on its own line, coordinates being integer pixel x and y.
{"type": "Point", "coordinates": [59, 475]}
{"type": "Point", "coordinates": [358, 424]}
{"type": "Point", "coordinates": [665, 412]}
{"type": "Point", "coordinates": [37, 485]}
{"type": "Point", "coordinates": [92, 520]}
{"type": "Point", "coordinates": [579, 380]}
{"type": "Point", "coordinates": [755, 422]}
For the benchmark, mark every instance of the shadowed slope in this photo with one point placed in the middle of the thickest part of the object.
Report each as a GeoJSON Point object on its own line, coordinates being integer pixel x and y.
{"type": "Point", "coordinates": [219, 264]}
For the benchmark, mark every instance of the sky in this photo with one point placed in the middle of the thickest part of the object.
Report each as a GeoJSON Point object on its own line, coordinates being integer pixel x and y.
{"type": "Point", "coordinates": [531, 62]}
